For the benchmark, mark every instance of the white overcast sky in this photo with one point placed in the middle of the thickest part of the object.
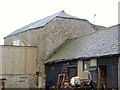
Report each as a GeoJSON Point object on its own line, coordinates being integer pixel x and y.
{"type": "Point", "coordinates": [17, 13]}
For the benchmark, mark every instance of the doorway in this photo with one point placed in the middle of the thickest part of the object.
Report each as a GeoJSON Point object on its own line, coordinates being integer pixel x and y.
{"type": "Point", "coordinates": [72, 72]}
{"type": "Point", "coordinates": [108, 71]}
{"type": "Point", "coordinates": [103, 75]}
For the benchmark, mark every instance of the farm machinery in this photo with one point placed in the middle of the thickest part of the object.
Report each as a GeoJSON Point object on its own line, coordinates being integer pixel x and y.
{"type": "Point", "coordinates": [75, 83]}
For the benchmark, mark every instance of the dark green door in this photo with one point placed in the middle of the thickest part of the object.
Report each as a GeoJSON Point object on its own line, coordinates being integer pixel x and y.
{"type": "Point", "coordinates": [52, 73]}
{"type": "Point", "coordinates": [72, 71]}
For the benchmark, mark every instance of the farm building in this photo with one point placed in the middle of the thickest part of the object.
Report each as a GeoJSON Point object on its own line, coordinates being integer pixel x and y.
{"type": "Point", "coordinates": [48, 34]}
{"type": "Point", "coordinates": [64, 44]}
{"type": "Point", "coordinates": [77, 56]}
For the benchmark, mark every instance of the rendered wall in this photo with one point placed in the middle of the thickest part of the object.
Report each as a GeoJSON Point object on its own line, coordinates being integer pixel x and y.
{"type": "Point", "coordinates": [84, 74]}
{"type": "Point", "coordinates": [18, 66]}
{"type": "Point", "coordinates": [18, 60]}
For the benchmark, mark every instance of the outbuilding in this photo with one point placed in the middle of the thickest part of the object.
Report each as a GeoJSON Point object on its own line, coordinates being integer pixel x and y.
{"type": "Point", "coordinates": [97, 52]}
{"type": "Point", "coordinates": [47, 35]}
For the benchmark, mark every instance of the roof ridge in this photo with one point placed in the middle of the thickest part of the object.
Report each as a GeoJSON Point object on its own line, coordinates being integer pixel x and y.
{"type": "Point", "coordinates": [112, 26]}
{"type": "Point", "coordinates": [43, 22]}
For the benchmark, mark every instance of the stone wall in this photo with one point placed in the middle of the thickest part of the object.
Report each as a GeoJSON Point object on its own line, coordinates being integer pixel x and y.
{"type": "Point", "coordinates": [50, 37]}
{"type": "Point", "coordinates": [60, 29]}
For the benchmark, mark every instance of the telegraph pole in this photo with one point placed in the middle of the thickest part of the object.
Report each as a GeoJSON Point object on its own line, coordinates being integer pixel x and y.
{"type": "Point", "coordinates": [94, 19]}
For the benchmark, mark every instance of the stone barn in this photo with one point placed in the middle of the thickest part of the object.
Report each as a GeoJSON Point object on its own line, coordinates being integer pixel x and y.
{"type": "Point", "coordinates": [97, 53]}
{"type": "Point", "coordinates": [47, 35]}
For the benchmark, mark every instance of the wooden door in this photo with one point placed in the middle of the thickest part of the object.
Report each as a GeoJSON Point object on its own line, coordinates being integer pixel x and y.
{"type": "Point", "coordinates": [112, 76]}
{"type": "Point", "coordinates": [52, 73]}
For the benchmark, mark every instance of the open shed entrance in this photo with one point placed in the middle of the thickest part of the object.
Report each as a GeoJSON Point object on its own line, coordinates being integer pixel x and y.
{"type": "Point", "coordinates": [103, 75]}
{"type": "Point", "coordinates": [72, 72]}
{"type": "Point", "coordinates": [108, 68]}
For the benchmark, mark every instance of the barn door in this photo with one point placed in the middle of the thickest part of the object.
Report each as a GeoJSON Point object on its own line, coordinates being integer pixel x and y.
{"type": "Point", "coordinates": [52, 73]}
{"type": "Point", "coordinates": [103, 75]}
{"type": "Point", "coordinates": [112, 76]}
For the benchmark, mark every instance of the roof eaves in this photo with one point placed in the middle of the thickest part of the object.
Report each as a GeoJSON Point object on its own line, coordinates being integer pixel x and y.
{"type": "Point", "coordinates": [80, 58]}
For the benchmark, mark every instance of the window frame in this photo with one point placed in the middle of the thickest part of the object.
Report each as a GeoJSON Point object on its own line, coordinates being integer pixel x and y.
{"type": "Point", "coordinates": [88, 65]}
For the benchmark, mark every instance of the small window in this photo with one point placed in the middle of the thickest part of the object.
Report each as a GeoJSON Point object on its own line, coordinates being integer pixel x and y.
{"type": "Point", "coordinates": [86, 65]}
{"type": "Point", "coordinates": [16, 42]}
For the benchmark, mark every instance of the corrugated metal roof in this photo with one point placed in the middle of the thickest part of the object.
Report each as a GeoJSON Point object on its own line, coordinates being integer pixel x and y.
{"type": "Point", "coordinates": [43, 22]}
{"type": "Point", "coordinates": [100, 43]}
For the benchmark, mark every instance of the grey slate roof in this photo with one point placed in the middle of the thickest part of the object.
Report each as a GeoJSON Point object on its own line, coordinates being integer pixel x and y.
{"type": "Point", "coordinates": [100, 43]}
{"type": "Point", "coordinates": [42, 22]}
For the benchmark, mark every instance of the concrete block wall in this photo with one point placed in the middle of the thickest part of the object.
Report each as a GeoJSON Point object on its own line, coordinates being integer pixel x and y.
{"type": "Point", "coordinates": [20, 81]}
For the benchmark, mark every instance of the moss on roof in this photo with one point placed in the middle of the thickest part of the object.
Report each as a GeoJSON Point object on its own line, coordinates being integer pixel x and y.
{"type": "Point", "coordinates": [99, 27]}
{"type": "Point", "coordinates": [100, 43]}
